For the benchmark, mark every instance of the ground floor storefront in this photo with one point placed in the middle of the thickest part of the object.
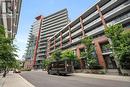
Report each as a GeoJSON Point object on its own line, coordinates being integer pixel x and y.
{"type": "Point", "coordinates": [102, 53]}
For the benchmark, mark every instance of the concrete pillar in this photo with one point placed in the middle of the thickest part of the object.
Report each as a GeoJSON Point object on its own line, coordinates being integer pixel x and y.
{"type": "Point", "coordinates": [78, 56]}
{"type": "Point", "coordinates": [70, 34]}
{"type": "Point", "coordinates": [78, 53]}
{"type": "Point", "coordinates": [82, 27]}
{"type": "Point", "coordinates": [101, 16]}
{"type": "Point", "coordinates": [99, 54]}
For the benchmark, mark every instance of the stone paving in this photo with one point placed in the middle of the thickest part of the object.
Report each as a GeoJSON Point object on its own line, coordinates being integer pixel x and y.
{"type": "Point", "coordinates": [14, 80]}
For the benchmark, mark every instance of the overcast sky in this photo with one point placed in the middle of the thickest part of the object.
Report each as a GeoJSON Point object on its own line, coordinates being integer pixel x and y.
{"type": "Point", "coordinates": [32, 8]}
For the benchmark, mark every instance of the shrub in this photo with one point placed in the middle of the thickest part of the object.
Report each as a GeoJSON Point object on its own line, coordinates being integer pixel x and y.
{"type": "Point", "coordinates": [26, 69]}
{"type": "Point", "coordinates": [95, 67]}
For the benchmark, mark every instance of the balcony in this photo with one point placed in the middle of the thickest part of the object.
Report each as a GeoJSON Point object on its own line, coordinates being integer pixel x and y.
{"type": "Point", "coordinates": [75, 27]}
{"type": "Point", "coordinates": [41, 51]}
{"type": "Point", "coordinates": [76, 40]}
{"type": "Point", "coordinates": [124, 21]}
{"type": "Point", "coordinates": [54, 27]}
{"type": "Point", "coordinates": [55, 16]}
{"type": "Point", "coordinates": [65, 34]}
{"type": "Point", "coordinates": [52, 51]}
{"type": "Point", "coordinates": [122, 18]}
{"type": "Point", "coordinates": [58, 47]}
{"type": "Point", "coordinates": [58, 39]}
{"type": "Point", "coordinates": [50, 31]}
{"type": "Point", "coordinates": [52, 46]}
{"type": "Point", "coordinates": [36, 26]}
{"type": "Point", "coordinates": [117, 11]}
{"type": "Point", "coordinates": [47, 35]}
{"type": "Point", "coordinates": [43, 39]}
{"type": "Point", "coordinates": [52, 43]}
{"type": "Point", "coordinates": [94, 31]}
{"type": "Point", "coordinates": [109, 4]}
{"type": "Point", "coordinates": [39, 58]}
{"type": "Point", "coordinates": [94, 23]}
{"type": "Point", "coordinates": [55, 21]}
{"type": "Point", "coordinates": [66, 45]}
{"type": "Point", "coordinates": [65, 39]}
{"type": "Point", "coordinates": [58, 43]}
{"type": "Point", "coordinates": [76, 33]}
{"type": "Point", "coordinates": [42, 42]}
{"type": "Point", "coordinates": [40, 54]}
{"type": "Point", "coordinates": [42, 46]}
{"type": "Point", "coordinates": [91, 17]}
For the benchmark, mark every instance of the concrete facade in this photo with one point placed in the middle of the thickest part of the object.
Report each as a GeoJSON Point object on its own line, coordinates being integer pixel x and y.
{"type": "Point", "coordinates": [9, 16]}
{"type": "Point", "coordinates": [49, 26]}
{"type": "Point", "coordinates": [92, 23]}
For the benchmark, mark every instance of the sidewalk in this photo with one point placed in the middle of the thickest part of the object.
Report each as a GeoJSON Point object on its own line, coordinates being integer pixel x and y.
{"type": "Point", "coordinates": [14, 80]}
{"type": "Point", "coordinates": [106, 77]}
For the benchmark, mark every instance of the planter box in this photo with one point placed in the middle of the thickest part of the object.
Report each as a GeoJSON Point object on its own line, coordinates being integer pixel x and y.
{"type": "Point", "coordinates": [92, 71]}
{"type": "Point", "coordinates": [96, 71]}
{"type": "Point", "coordinates": [126, 72]}
{"type": "Point", "coordinates": [79, 70]}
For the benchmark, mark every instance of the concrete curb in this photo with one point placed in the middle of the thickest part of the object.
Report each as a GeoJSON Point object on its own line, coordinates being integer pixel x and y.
{"type": "Point", "coordinates": [28, 83]}
{"type": "Point", "coordinates": [106, 77]}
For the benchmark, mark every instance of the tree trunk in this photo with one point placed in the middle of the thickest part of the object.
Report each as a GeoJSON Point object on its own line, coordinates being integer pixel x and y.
{"type": "Point", "coordinates": [72, 66]}
{"type": "Point", "coordinates": [115, 58]}
{"type": "Point", "coordinates": [118, 67]}
{"type": "Point", "coordinates": [81, 64]}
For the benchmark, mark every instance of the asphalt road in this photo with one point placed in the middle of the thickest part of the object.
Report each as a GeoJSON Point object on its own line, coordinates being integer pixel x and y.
{"type": "Point", "coordinates": [42, 79]}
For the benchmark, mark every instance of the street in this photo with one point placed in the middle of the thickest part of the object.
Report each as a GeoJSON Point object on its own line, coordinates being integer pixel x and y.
{"type": "Point", "coordinates": [42, 79]}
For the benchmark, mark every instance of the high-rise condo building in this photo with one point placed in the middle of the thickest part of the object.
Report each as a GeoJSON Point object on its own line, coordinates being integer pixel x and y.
{"type": "Point", "coordinates": [32, 40]}
{"type": "Point", "coordinates": [41, 31]}
{"type": "Point", "coordinates": [50, 25]}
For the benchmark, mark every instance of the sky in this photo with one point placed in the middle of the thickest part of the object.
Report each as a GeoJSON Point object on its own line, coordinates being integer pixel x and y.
{"type": "Point", "coordinates": [32, 8]}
